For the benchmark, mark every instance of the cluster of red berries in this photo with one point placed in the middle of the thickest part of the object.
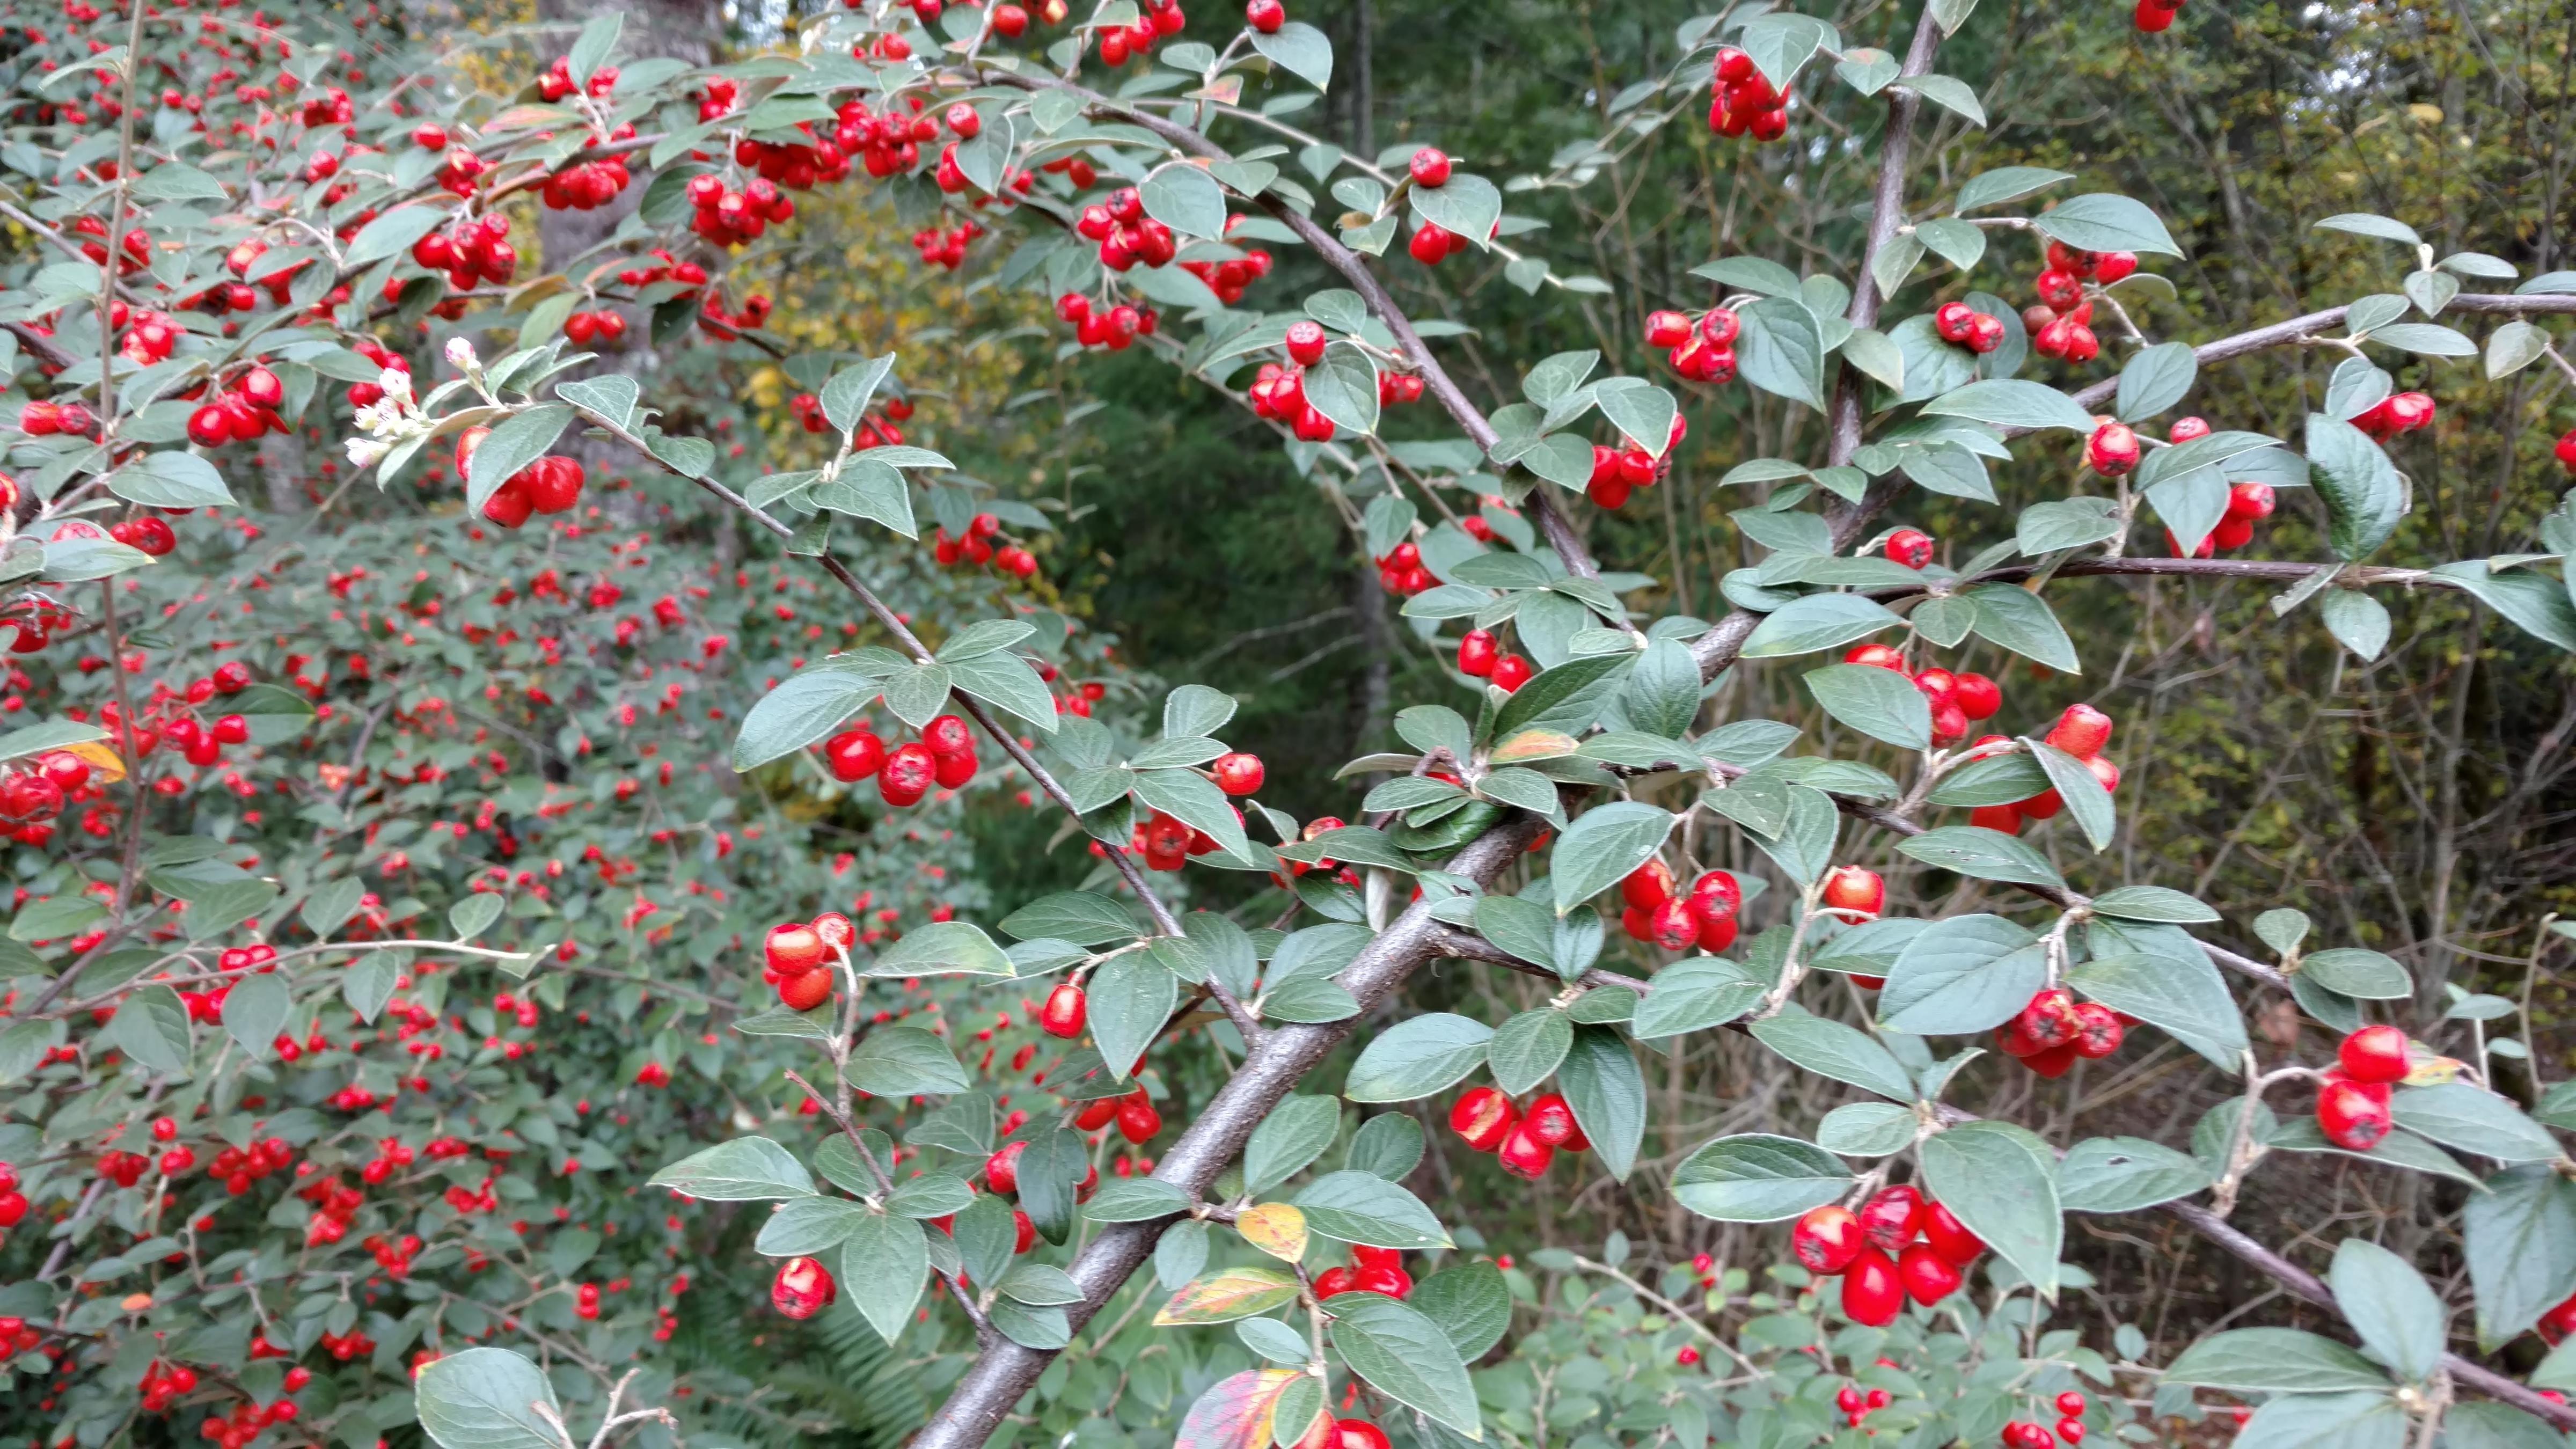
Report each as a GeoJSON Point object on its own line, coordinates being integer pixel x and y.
{"type": "Point", "coordinates": [162, 1384]}
{"type": "Point", "coordinates": [249, 1419]}
{"type": "Point", "coordinates": [243, 412]}
{"type": "Point", "coordinates": [1961, 325]}
{"type": "Point", "coordinates": [876, 429]}
{"type": "Point", "coordinates": [945, 247]}
{"type": "Point", "coordinates": [715, 321]}
{"type": "Point", "coordinates": [687, 274]}
{"type": "Point", "coordinates": [943, 756]}
{"type": "Point", "coordinates": [471, 252]}
{"type": "Point", "coordinates": [2154, 16]}
{"type": "Point", "coordinates": [334, 1205]}
{"type": "Point", "coordinates": [1372, 1270]}
{"type": "Point", "coordinates": [1400, 570]}
{"type": "Point", "coordinates": [727, 217]}
{"type": "Point", "coordinates": [978, 547]}
{"type": "Point", "coordinates": [1898, 1245]}
{"type": "Point", "coordinates": [796, 958]}
{"type": "Point", "coordinates": [551, 484]}
{"type": "Point", "coordinates": [2054, 1029]}
{"type": "Point", "coordinates": [2059, 323]}
{"type": "Point", "coordinates": [1857, 1406]}
{"type": "Point", "coordinates": [2028, 1434]}
{"type": "Point", "coordinates": [888, 144]}
{"type": "Point", "coordinates": [2352, 1100]}
{"type": "Point", "coordinates": [2081, 731]}
{"type": "Point", "coordinates": [368, 394]}
{"type": "Point", "coordinates": [394, 1255]}
{"type": "Point", "coordinates": [13, 1203]}
{"type": "Point", "coordinates": [1125, 233]}
{"type": "Point", "coordinates": [30, 798]}
{"type": "Point", "coordinates": [558, 83]}
{"type": "Point", "coordinates": [1115, 327]}
{"type": "Point", "coordinates": [150, 339]}
{"type": "Point", "coordinates": [1166, 843]}
{"type": "Point", "coordinates": [1525, 1143]}
{"type": "Point", "coordinates": [1742, 99]}
{"type": "Point", "coordinates": [589, 185]}
{"type": "Point", "coordinates": [1958, 700]}
{"type": "Point", "coordinates": [144, 533]}
{"type": "Point", "coordinates": [1700, 351]}
{"type": "Point", "coordinates": [584, 328]}
{"type": "Point", "coordinates": [2397, 413]}
{"type": "Point", "coordinates": [1157, 22]}
{"type": "Point", "coordinates": [1137, 1117]}
{"type": "Point", "coordinates": [1480, 656]}
{"type": "Point", "coordinates": [137, 251]}
{"type": "Point", "coordinates": [1616, 472]}
{"type": "Point", "coordinates": [1229, 277]}
{"type": "Point", "coordinates": [1704, 915]}
{"type": "Point", "coordinates": [45, 419]}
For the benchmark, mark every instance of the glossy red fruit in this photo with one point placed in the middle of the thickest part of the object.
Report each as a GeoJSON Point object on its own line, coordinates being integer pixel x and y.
{"type": "Point", "coordinates": [1551, 1120]}
{"type": "Point", "coordinates": [1976, 696]}
{"type": "Point", "coordinates": [2082, 731]}
{"type": "Point", "coordinates": [1648, 886]}
{"type": "Point", "coordinates": [948, 735]}
{"type": "Point", "coordinates": [1671, 925]}
{"type": "Point", "coordinates": [1950, 1237]}
{"type": "Point", "coordinates": [1872, 1294]}
{"type": "Point", "coordinates": [1855, 891]}
{"type": "Point", "coordinates": [1365, 1256]}
{"type": "Point", "coordinates": [2048, 1020]}
{"type": "Point", "coordinates": [2071, 1430]}
{"type": "Point", "coordinates": [1064, 1013]}
{"type": "Point", "coordinates": [908, 774]}
{"type": "Point", "coordinates": [792, 949]}
{"type": "Point", "coordinates": [1139, 1120]}
{"type": "Point", "coordinates": [2185, 430]}
{"type": "Point", "coordinates": [1477, 653]}
{"type": "Point", "coordinates": [802, 1288]}
{"type": "Point", "coordinates": [1332, 1281]}
{"type": "Point", "coordinates": [1668, 330]}
{"type": "Point", "coordinates": [2098, 1030]}
{"type": "Point", "coordinates": [1306, 341]}
{"type": "Point", "coordinates": [805, 990]}
{"type": "Point", "coordinates": [2052, 1062]}
{"type": "Point", "coordinates": [1238, 773]}
{"type": "Point", "coordinates": [1511, 672]}
{"type": "Point", "coordinates": [1265, 16]}
{"type": "Point", "coordinates": [1928, 1277]}
{"type": "Point", "coordinates": [2070, 1404]}
{"type": "Point", "coordinates": [1716, 933]}
{"type": "Point", "coordinates": [1381, 1278]}
{"type": "Point", "coordinates": [1358, 1434]}
{"type": "Point", "coordinates": [2112, 450]}
{"type": "Point", "coordinates": [2375, 1054]}
{"type": "Point", "coordinates": [1911, 547]}
{"type": "Point", "coordinates": [1002, 1169]}
{"type": "Point", "coordinates": [1715, 896]}
{"type": "Point", "coordinates": [1523, 1155]}
{"type": "Point", "coordinates": [1429, 167]}
{"type": "Point", "coordinates": [1482, 1117]}
{"type": "Point", "coordinates": [1893, 1216]}
{"type": "Point", "coordinates": [854, 755]}
{"type": "Point", "coordinates": [1827, 1239]}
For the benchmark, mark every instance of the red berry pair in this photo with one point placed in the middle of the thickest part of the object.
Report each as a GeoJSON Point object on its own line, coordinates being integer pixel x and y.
{"type": "Point", "coordinates": [1964, 326]}
{"type": "Point", "coordinates": [1704, 916]}
{"type": "Point", "coordinates": [2054, 1030]}
{"type": "Point", "coordinates": [1525, 1143]}
{"type": "Point", "coordinates": [1701, 351]}
{"type": "Point", "coordinates": [1372, 1270]}
{"type": "Point", "coordinates": [1480, 656]}
{"type": "Point", "coordinates": [2352, 1105]}
{"type": "Point", "coordinates": [2401, 413]}
{"type": "Point", "coordinates": [1898, 1245]}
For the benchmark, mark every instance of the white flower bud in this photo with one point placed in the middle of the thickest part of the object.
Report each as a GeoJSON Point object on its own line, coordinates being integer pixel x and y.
{"type": "Point", "coordinates": [460, 354]}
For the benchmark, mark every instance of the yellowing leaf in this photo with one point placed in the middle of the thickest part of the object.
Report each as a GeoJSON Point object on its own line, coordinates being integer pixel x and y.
{"type": "Point", "coordinates": [1276, 1228]}
{"type": "Point", "coordinates": [1235, 1411]}
{"type": "Point", "coordinates": [106, 766]}
{"type": "Point", "coordinates": [1534, 745]}
{"type": "Point", "coordinates": [1226, 1295]}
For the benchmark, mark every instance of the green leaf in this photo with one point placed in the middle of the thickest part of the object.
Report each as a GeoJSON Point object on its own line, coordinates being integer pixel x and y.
{"type": "Point", "coordinates": [1417, 1057]}
{"type": "Point", "coordinates": [1603, 1085]}
{"type": "Point", "coordinates": [884, 1262]}
{"type": "Point", "coordinates": [1006, 682]}
{"type": "Point", "coordinates": [746, 1169]}
{"type": "Point", "coordinates": [809, 1225]}
{"type": "Point", "coordinates": [904, 1061]}
{"type": "Point", "coordinates": [1343, 387]}
{"type": "Point", "coordinates": [1301, 50]}
{"type": "Point", "coordinates": [1694, 994]}
{"type": "Point", "coordinates": [1081, 917]}
{"type": "Point", "coordinates": [845, 395]}
{"type": "Point", "coordinates": [1526, 1048]}
{"type": "Point", "coordinates": [2400, 1319]}
{"type": "Point", "coordinates": [2002, 1183]}
{"type": "Point", "coordinates": [1781, 350]}
{"type": "Point", "coordinates": [2185, 997]}
{"type": "Point", "coordinates": [804, 708]}
{"type": "Point", "coordinates": [2012, 403]}
{"type": "Point", "coordinates": [2359, 1420]}
{"type": "Point", "coordinates": [2536, 603]}
{"type": "Point", "coordinates": [1195, 801]}
{"type": "Point", "coordinates": [171, 480]}
{"type": "Point", "coordinates": [2364, 497]}
{"type": "Point", "coordinates": [1880, 703]}
{"type": "Point", "coordinates": [1362, 1207]}
{"type": "Point", "coordinates": [1465, 206]}
{"type": "Point", "coordinates": [1186, 199]}
{"type": "Point", "coordinates": [1605, 844]}
{"type": "Point", "coordinates": [2358, 972]}
{"type": "Point", "coordinates": [2156, 379]}
{"type": "Point", "coordinates": [2358, 622]}
{"type": "Point", "coordinates": [1294, 1134]}
{"type": "Point", "coordinates": [1564, 700]}
{"type": "Point", "coordinates": [487, 1398]}
{"type": "Point", "coordinates": [1965, 974]}
{"type": "Point", "coordinates": [2152, 903]}
{"type": "Point", "coordinates": [2273, 1361]}
{"type": "Point", "coordinates": [1758, 1178]}
{"type": "Point", "coordinates": [1135, 1200]}
{"type": "Point", "coordinates": [2101, 222]}
{"type": "Point", "coordinates": [1867, 1129]}
{"type": "Point", "coordinates": [1831, 1049]}
{"type": "Point", "coordinates": [1472, 1304]}
{"type": "Point", "coordinates": [1130, 999]}
{"type": "Point", "coordinates": [1818, 621]}
{"type": "Point", "coordinates": [1985, 854]}
{"type": "Point", "coordinates": [255, 1011]}
{"type": "Point", "coordinates": [520, 439]}
{"type": "Point", "coordinates": [1405, 1356]}
{"type": "Point", "coordinates": [943, 948]}
{"type": "Point", "coordinates": [2472, 1119]}
{"type": "Point", "coordinates": [2124, 1174]}
{"type": "Point", "coordinates": [2087, 803]}
{"type": "Point", "coordinates": [391, 234]}
{"type": "Point", "coordinates": [2521, 1238]}
{"type": "Point", "coordinates": [2005, 183]}
{"type": "Point", "coordinates": [151, 1026]}
{"type": "Point", "coordinates": [2021, 621]}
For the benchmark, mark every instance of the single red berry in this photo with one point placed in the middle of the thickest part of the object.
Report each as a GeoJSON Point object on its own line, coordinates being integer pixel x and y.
{"type": "Point", "coordinates": [1306, 342]}
{"type": "Point", "coordinates": [1238, 773]}
{"type": "Point", "coordinates": [1950, 1237]}
{"type": "Point", "coordinates": [1064, 1014]}
{"type": "Point", "coordinates": [2070, 1404]}
{"type": "Point", "coordinates": [1856, 892]}
{"type": "Point", "coordinates": [2351, 1117]}
{"type": "Point", "coordinates": [1482, 1117]}
{"type": "Point", "coordinates": [1648, 886]}
{"type": "Point", "coordinates": [2375, 1054]}
{"type": "Point", "coordinates": [1002, 1169]}
{"type": "Point", "coordinates": [1429, 167]}
{"type": "Point", "coordinates": [802, 1288]}
{"type": "Point", "coordinates": [792, 948]}
{"type": "Point", "coordinates": [1872, 1294]}
{"type": "Point", "coordinates": [1511, 672]}
{"type": "Point", "coordinates": [1265, 16]}
{"type": "Point", "coordinates": [1827, 1239]}
{"type": "Point", "coordinates": [1551, 1120]}
{"type": "Point", "coordinates": [1523, 1155]}
{"type": "Point", "coordinates": [1928, 1277]}
{"type": "Point", "coordinates": [1911, 547]}
{"type": "Point", "coordinates": [1893, 1216]}
{"type": "Point", "coordinates": [2082, 731]}
{"type": "Point", "coordinates": [2112, 450]}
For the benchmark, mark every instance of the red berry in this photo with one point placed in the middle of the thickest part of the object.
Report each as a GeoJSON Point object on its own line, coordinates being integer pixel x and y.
{"type": "Point", "coordinates": [2082, 731]}
{"type": "Point", "coordinates": [1856, 892]}
{"type": "Point", "coordinates": [792, 949]}
{"type": "Point", "coordinates": [2375, 1054]}
{"type": "Point", "coordinates": [1511, 672]}
{"type": "Point", "coordinates": [1064, 1014]}
{"type": "Point", "coordinates": [2070, 1404]}
{"type": "Point", "coordinates": [1482, 1117]}
{"type": "Point", "coordinates": [802, 1288]}
{"type": "Point", "coordinates": [2112, 450]}
{"type": "Point", "coordinates": [1358, 1434]}
{"type": "Point", "coordinates": [1478, 654]}
{"type": "Point", "coordinates": [1911, 547]}
{"type": "Point", "coordinates": [1893, 1216]}
{"type": "Point", "coordinates": [1002, 1169]}
{"type": "Point", "coordinates": [1523, 1154]}
{"type": "Point", "coordinates": [1872, 1294]}
{"type": "Point", "coordinates": [1265, 16]}
{"type": "Point", "coordinates": [1429, 167]}
{"type": "Point", "coordinates": [1648, 886]}
{"type": "Point", "coordinates": [1827, 1239]}
{"type": "Point", "coordinates": [1238, 773]}
{"type": "Point", "coordinates": [2351, 1117]}
{"type": "Point", "coordinates": [1949, 1237]}
{"type": "Point", "coordinates": [1551, 1120]}
{"type": "Point", "coordinates": [1928, 1277]}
